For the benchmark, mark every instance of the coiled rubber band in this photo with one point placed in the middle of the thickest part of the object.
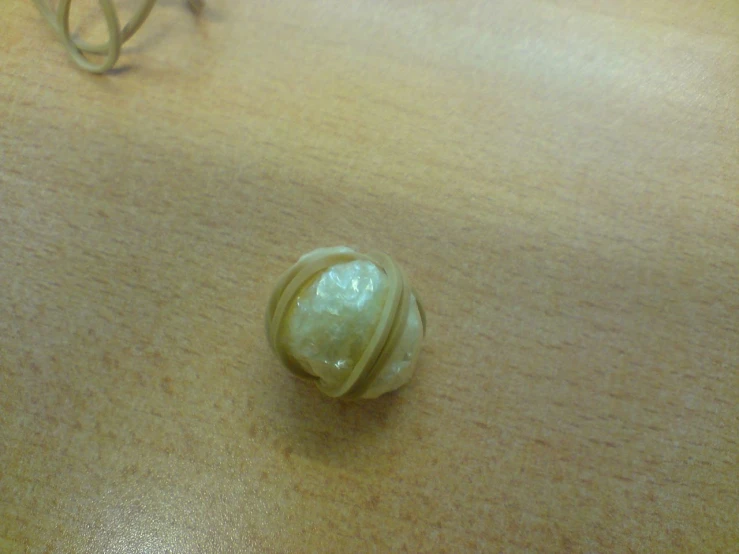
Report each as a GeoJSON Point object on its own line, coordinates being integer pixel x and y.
{"type": "Point", "coordinates": [78, 48]}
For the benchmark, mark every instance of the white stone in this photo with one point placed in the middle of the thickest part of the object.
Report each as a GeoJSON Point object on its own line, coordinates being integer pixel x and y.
{"type": "Point", "coordinates": [333, 319]}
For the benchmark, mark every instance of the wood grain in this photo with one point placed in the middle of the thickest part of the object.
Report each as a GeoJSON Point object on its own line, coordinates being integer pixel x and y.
{"type": "Point", "coordinates": [560, 179]}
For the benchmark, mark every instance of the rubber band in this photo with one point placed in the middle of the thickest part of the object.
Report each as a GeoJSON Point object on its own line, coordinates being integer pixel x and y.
{"type": "Point", "coordinates": [385, 338]}
{"type": "Point", "coordinates": [78, 48]}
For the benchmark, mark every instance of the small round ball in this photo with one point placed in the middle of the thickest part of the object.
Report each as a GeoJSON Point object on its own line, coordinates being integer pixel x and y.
{"type": "Point", "coordinates": [348, 321]}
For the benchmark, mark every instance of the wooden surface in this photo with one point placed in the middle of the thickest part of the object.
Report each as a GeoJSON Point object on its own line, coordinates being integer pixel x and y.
{"type": "Point", "coordinates": [559, 179]}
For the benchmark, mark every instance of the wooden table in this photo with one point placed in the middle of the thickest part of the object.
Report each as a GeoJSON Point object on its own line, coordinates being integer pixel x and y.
{"type": "Point", "coordinates": [559, 179]}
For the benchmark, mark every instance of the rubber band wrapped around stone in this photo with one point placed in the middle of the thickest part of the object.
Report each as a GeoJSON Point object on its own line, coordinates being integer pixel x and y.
{"type": "Point", "coordinates": [111, 49]}
{"type": "Point", "coordinates": [348, 321]}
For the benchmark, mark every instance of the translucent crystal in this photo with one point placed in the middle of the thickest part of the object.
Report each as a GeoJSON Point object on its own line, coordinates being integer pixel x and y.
{"type": "Point", "coordinates": [333, 319]}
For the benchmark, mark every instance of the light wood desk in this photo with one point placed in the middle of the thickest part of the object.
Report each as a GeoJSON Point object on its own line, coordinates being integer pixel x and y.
{"type": "Point", "coordinates": [560, 180]}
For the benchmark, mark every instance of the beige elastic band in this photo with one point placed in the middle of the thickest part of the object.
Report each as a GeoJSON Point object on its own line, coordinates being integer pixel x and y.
{"type": "Point", "coordinates": [386, 336]}
{"type": "Point", "coordinates": [111, 49]}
